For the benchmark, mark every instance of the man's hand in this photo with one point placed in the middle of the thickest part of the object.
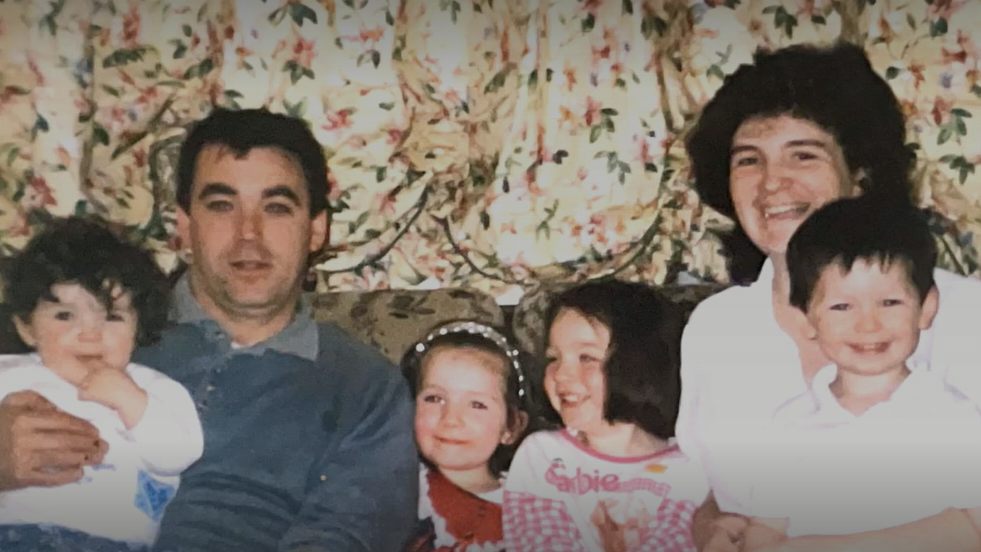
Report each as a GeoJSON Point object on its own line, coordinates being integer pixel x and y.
{"type": "Point", "coordinates": [41, 446]}
{"type": "Point", "coordinates": [114, 389]}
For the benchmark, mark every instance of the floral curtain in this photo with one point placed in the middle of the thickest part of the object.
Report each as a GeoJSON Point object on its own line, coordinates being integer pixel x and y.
{"type": "Point", "coordinates": [495, 144]}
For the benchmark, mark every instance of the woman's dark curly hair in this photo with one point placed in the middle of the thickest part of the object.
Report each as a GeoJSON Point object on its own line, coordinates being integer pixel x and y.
{"type": "Point", "coordinates": [834, 87]}
{"type": "Point", "coordinates": [75, 250]}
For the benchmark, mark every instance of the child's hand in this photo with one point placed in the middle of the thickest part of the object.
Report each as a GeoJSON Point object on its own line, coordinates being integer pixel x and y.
{"type": "Point", "coordinates": [116, 390]}
{"type": "Point", "coordinates": [611, 533]}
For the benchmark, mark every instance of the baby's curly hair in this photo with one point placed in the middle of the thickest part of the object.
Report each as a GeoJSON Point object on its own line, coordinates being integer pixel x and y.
{"type": "Point", "coordinates": [79, 251]}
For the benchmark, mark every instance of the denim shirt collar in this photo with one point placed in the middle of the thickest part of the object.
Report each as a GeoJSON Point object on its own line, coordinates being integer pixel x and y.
{"type": "Point", "coordinates": [299, 338]}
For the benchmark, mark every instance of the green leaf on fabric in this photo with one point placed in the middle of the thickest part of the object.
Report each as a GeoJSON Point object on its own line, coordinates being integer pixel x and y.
{"type": "Point", "coordinates": [277, 16]}
{"type": "Point", "coordinates": [124, 56]}
{"type": "Point", "coordinates": [100, 135]}
{"type": "Point", "coordinates": [628, 7]}
{"type": "Point", "coordinates": [944, 136]}
{"type": "Point", "coordinates": [892, 72]}
{"type": "Point", "coordinates": [588, 23]}
{"type": "Point", "coordinates": [199, 70]}
{"type": "Point", "coordinates": [301, 12]}
{"type": "Point", "coordinates": [180, 49]}
{"type": "Point", "coordinates": [594, 134]}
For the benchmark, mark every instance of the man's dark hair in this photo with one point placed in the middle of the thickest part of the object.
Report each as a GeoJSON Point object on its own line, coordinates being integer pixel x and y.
{"type": "Point", "coordinates": [84, 252]}
{"type": "Point", "coordinates": [834, 87]}
{"type": "Point", "coordinates": [241, 131]}
{"type": "Point", "coordinates": [843, 231]}
{"type": "Point", "coordinates": [642, 366]}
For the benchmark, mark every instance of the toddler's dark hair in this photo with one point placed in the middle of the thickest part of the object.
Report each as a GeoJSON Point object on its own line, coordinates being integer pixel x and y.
{"type": "Point", "coordinates": [79, 251]}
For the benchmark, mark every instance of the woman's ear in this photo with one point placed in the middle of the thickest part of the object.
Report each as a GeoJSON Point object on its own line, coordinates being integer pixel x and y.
{"type": "Point", "coordinates": [860, 178]}
{"type": "Point", "coordinates": [519, 423]}
{"type": "Point", "coordinates": [25, 331]}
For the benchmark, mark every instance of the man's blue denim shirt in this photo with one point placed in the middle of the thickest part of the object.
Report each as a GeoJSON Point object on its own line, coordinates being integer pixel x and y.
{"type": "Point", "coordinates": [308, 440]}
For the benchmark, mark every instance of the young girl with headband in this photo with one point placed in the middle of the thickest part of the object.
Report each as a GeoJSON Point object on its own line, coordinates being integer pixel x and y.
{"type": "Point", "coordinates": [471, 414]}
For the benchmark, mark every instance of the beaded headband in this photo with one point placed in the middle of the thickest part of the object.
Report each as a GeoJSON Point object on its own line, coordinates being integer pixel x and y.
{"type": "Point", "coordinates": [485, 331]}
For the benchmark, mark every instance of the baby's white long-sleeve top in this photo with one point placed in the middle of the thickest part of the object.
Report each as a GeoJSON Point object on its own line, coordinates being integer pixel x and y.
{"type": "Point", "coordinates": [124, 497]}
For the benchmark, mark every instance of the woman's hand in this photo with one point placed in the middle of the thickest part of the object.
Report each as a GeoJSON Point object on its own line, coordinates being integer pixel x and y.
{"type": "Point", "coordinates": [726, 533]}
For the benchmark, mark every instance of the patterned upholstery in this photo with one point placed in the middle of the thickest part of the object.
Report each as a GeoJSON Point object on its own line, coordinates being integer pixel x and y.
{"type": "Point", "coordinates": [392, 320]}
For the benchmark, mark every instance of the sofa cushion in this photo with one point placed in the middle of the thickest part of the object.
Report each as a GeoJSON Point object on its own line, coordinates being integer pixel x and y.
{"type": "Point", "coordinates": [393, 320]}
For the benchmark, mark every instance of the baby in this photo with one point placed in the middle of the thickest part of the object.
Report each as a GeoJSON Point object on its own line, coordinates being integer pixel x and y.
{"type": "Point", "coordinates": [83, 300]}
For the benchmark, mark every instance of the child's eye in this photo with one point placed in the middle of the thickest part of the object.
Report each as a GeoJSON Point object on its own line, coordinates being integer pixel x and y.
{"type": "Point", "coordinates": [840, 307]}
{"type": "Point", "coordinates": [63, 315]}
{"type": "Point", "coordinates": [432, 399]}
{"type": "Point", "coordinates": [115, 317]}
{"type": "Point", "coordinates": [891, 302]}
{"type": "Point", "coordinates": [585, 359]}
{"type": "Point", "coordinates": [478, 405]}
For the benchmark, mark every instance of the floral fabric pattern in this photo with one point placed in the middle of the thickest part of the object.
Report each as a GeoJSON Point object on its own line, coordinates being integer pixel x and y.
{"type": "Point", "coordinates": [491, 144]}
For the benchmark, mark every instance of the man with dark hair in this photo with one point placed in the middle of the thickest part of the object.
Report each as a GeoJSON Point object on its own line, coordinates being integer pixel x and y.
{"type": "Point", "coordinates": [308, 433]}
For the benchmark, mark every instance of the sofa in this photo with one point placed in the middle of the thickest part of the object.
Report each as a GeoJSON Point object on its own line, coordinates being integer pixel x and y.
{"type": "Point", "coordinates": [392, 320]}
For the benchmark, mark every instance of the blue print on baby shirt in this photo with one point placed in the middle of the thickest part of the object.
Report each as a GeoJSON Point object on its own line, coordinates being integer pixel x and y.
{"type": "Point", "coordinates": [152, 496]}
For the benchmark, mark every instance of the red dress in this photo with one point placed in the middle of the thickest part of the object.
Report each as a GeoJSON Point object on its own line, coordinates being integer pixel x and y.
{"type": "Point", "coordinates": [454, 520]}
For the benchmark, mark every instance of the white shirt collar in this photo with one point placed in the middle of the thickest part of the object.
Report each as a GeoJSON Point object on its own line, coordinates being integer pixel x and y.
{"type": "Point", "coordinates": [919, 381]}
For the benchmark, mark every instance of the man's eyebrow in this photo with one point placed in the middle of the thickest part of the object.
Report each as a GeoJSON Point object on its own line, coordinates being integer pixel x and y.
{"type": "Point", "coordinates": [216, 188]}
{"type": "Point", "coordinates": [282, 191]}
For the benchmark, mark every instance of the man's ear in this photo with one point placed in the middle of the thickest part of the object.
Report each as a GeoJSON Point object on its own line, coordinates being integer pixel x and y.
{"type": "Point", "coordinates": [319, 227]}
{"type": "Point", "coordinates": [931, 303]}
{"type": "Point", "coordinates": [184, 229]}
{"type": "Point", "coordinates": [520, 423]}
{"type": "Point", "coordinates": [25, 331]}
